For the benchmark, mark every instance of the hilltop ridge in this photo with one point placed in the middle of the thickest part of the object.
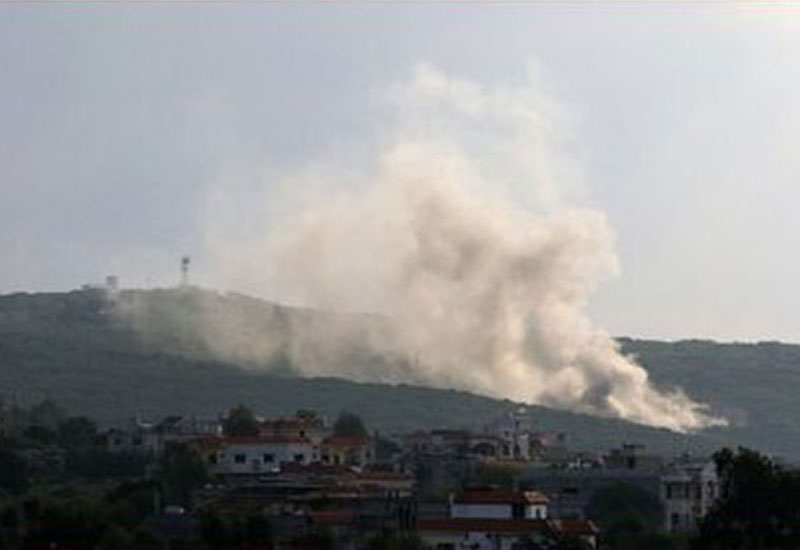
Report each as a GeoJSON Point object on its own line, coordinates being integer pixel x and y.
{"type": "Point", "coordinates": [75, 348]}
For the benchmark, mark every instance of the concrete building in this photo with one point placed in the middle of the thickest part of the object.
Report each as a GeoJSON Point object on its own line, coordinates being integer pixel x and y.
{"type": "Point", "coordinates": [500, 520]}
{"type": "Point", "coordinates": [494, 504]}
{"type": "Point", "coordinates": [688, 490]}
{"type": "Point", "coordinates": [237, 456]}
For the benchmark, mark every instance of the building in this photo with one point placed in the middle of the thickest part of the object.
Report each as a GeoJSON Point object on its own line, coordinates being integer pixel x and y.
{"type": "Point", "coordinates": [257, 455]}
{"type": "Point", "coordinates": [688, 490]}
{"type": "Point", "coordinates": [631, 456]}
{"type": "Point", "coordinates": [494, 504]}
{"type": "Point", "coordinates": [485, 534]}
{"type": "Point", "coordinates": [570, 490]}
{"type": "Point", "coordinates": [516, 433]}
{"type": "Point", "coordinates": [151, 438]}
{"type": "Point", "coordinates": [357, 452]}
{"type": "Point", "coordinates": [488, 519]}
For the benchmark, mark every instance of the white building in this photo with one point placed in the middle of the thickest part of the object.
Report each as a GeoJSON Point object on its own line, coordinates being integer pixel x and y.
{"type": "Point", "coordinates": [499, 505]}
{"type": "Point", "coordinates": [500, 520]}
{"type": "Point", "coordinates": [516, 432]}
{"type": "Point", "coordinates": [257, 455]}
{"type": "Point", "coordinates": [688, 491]}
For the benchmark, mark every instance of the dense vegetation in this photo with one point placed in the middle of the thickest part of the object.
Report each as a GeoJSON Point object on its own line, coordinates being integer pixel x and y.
{"type": "Point", "coordinates": [758, 505]}
{"type": "Point", "coordinates": [72, 348]}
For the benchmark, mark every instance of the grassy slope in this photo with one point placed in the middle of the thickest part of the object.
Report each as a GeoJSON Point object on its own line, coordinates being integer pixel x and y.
{"type": "Point", "coordinates": [69, 347]}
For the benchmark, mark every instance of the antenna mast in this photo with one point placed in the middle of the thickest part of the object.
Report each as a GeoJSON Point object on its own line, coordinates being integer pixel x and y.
{"type": "Point", "coordinates": [185, 271]}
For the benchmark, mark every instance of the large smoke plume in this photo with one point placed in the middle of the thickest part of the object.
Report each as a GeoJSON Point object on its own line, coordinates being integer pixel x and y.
{"type": "Point", "coordinates": [464, 240]}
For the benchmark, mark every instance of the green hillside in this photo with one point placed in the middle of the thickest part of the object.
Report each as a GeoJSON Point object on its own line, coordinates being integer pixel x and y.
{"type": "Point", "coordinates": [74, 348]}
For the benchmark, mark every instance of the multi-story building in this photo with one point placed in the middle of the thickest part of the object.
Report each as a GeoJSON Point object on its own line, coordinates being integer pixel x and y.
{"type": "Point", "coordinates": [516, 433]}
{"type": "Point", "coordinates": [257, 455]}
{"type": "Point", "coordinates": [688, 490]}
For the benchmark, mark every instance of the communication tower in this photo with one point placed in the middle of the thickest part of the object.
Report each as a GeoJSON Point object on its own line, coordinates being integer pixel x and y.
{"type": "Point", "coordinates": [185, 271]}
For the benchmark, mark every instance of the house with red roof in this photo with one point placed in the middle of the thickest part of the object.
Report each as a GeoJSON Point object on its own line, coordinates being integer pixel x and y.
{"type": "Point", "coordinates": [490, 519]}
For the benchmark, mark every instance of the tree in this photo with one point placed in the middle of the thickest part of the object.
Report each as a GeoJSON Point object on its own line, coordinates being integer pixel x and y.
{"type": "Point", "coordinates": [77, 432]}
{"type": "Point", "coordinates": [395, 540]}
{"type": "Point", "coordinates": [500, 476]}
{"type": "Point", "coordinates": [182, 470]}
{"type": "Point", "coordinates": [47, 414]}
{"type": "Point", "coordinates": [131, 502]}
{"type": "Point", "coordinates": [39, 435]}
{"type": "Point", "coordinates": [116, 538]}
{"type": "Point", "coordinates": [240, 422]}
{"type": "Point", "coordinates": [756, 508]}
{"type": "Point", "coordinates": [13, 469]}
{"type": "Point", "coordinates": [251, 532]}
{"type": "Point", "coordinates": [627, 513]}
{"type": "Point", "coordinates": [349, 425]}
{"type": "Point", "coordinates": [69, 523]}
{"type": "Point", "coordinates": [321, 539]}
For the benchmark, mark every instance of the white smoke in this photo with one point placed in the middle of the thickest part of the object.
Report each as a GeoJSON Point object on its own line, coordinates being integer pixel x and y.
{"type": "Point", "coordinates": [465, 240]}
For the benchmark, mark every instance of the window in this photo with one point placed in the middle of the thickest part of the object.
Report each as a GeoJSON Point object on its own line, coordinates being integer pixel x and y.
{"type": "Point", "coordinates": [212, 458]}
{"type": "Point", "coordinates": [299, 457]}
{"type": "Point", "coordinates": [240, 458]}
{"type": "Point", "coordinates": [268, 457]}
{"type": "Point", "coordinates": [137, 440]}
{"type": "Point", "coordinates": [675, 520]}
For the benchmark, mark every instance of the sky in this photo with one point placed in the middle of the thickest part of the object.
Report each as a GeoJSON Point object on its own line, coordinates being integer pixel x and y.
{"type": "Point", "coordinates": [131, 135]}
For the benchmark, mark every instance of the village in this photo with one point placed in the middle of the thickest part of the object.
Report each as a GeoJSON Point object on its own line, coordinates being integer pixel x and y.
{"type": "Point", "coordinates": [505, 487]}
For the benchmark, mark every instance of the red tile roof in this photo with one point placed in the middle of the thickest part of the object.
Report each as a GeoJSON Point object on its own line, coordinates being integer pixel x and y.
{"type": "Point", "coordinates": [386, 476]}
{"type": "Point", "coordinates": [575, 526]}
{"type": "Point", "coordinates": [317, 468]}
{"type": "Point", "coordinates": [464, 525]}
{"type": "Point", "coordinates": [258, 439]}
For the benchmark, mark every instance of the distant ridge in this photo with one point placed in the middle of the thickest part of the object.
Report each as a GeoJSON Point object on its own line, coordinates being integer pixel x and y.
{"type": "Point", "coordinates": [72, 348]}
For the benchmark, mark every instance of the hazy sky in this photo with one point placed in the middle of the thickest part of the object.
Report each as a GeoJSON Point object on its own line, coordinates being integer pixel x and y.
{"type": "Point", "coordinates": [122, 126]}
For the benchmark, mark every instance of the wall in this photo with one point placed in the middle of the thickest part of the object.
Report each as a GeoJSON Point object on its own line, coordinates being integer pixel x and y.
{"type": "Point", "coordinates": [254, 456]}
{"type": "Point", "coordinates": [484, 511]}
{"type": "Point", "coordinates": [536, 511]}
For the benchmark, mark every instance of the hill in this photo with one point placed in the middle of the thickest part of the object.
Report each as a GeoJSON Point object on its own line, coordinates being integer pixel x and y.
{"type": "Point", "coordinates": [77, 349]}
